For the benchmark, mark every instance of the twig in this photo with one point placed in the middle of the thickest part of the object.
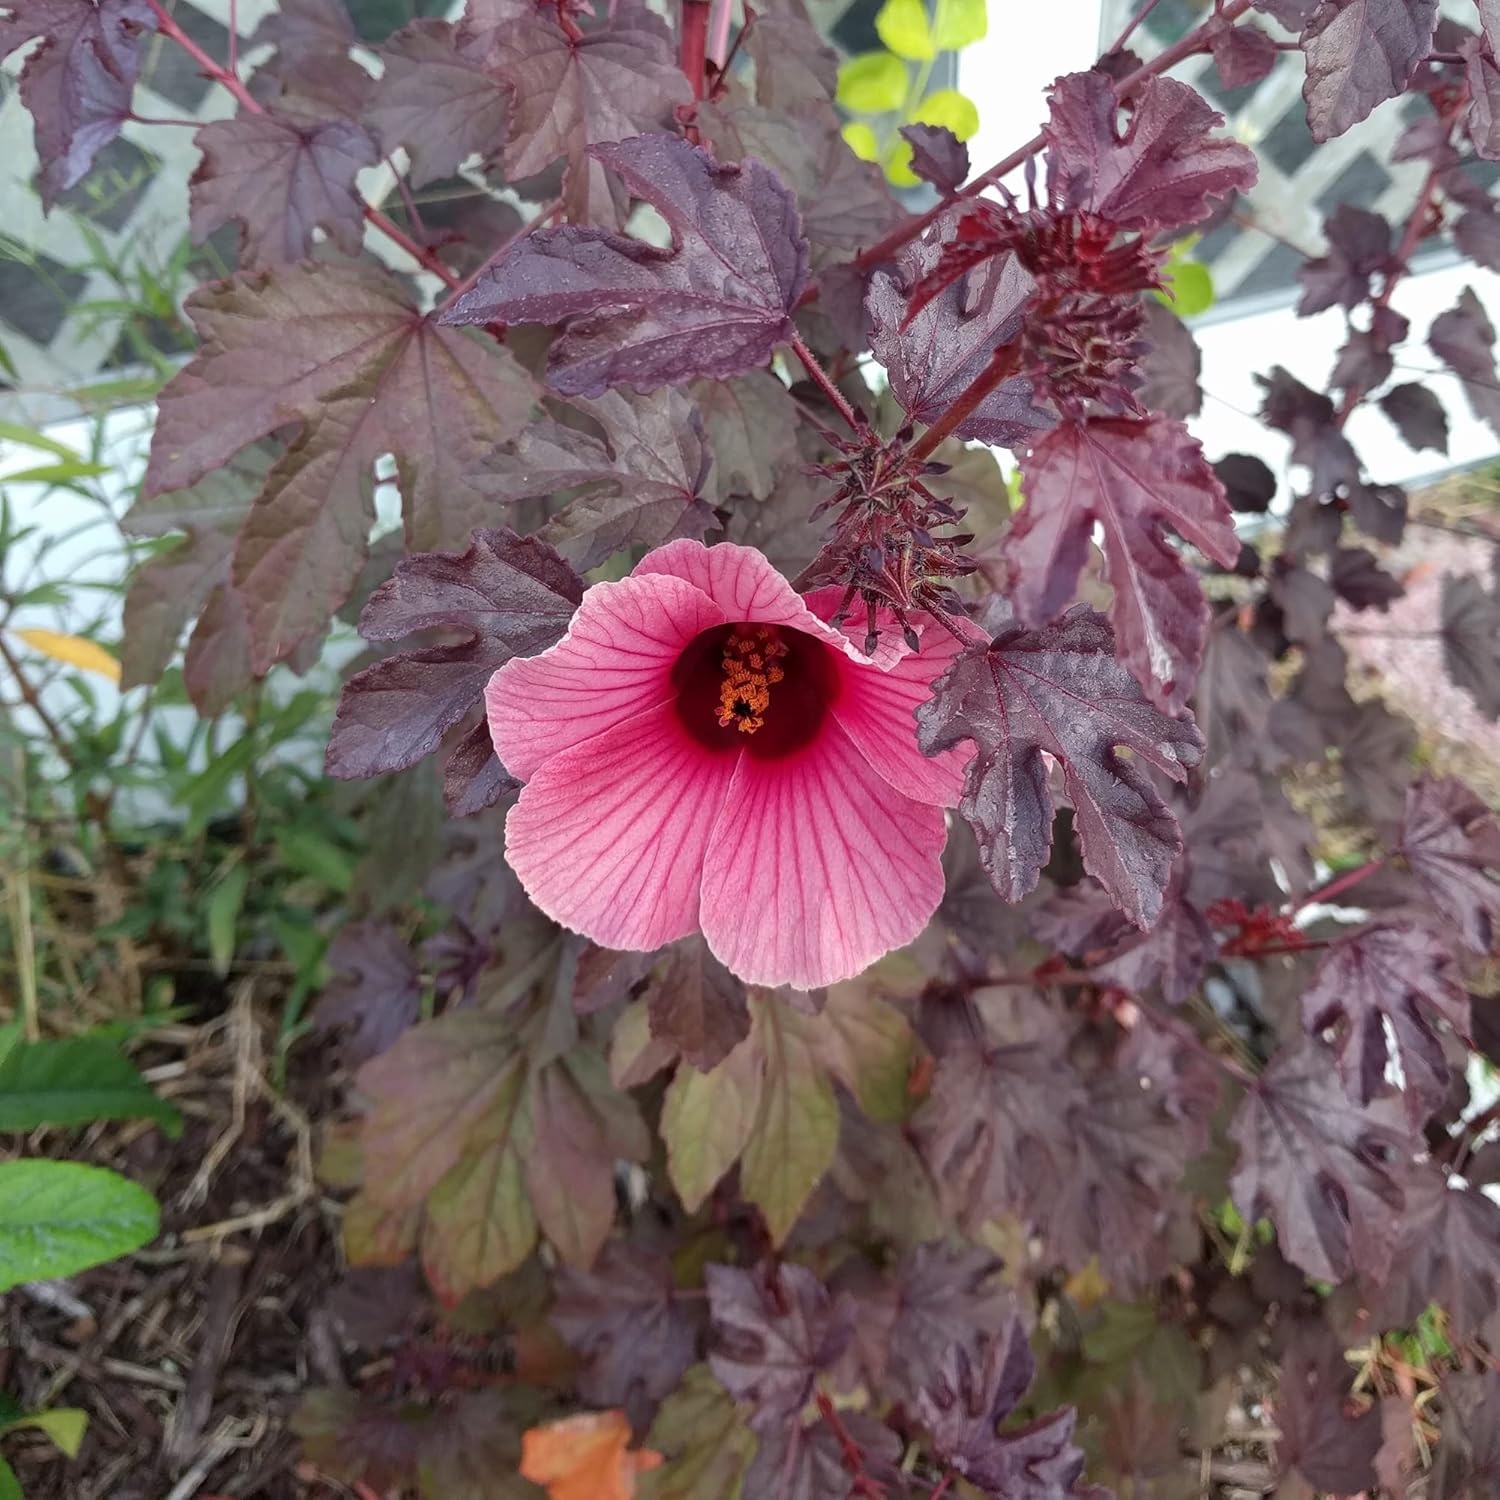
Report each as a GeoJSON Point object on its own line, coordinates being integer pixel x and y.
{"type": "Point", "coordinates": [1338, 884]}
{"type": "Point", "coordinates": [821, 378]}
{"type": "Point", "coordinates": [692, 43]}
{"type": "Point", "coordinates": [1130, 27]}
{"type": "Point", "coordinates": [853, 1454]}
{"type": "Point", "coordinates": [23, 933]}
{"type": "Point", "coordinates": [720, 13]}
{"type": "Point", "coordinates": [33, 701]}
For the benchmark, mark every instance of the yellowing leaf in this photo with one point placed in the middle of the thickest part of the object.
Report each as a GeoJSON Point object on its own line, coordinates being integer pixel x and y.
{"type": "Point", "coordinates": [897, 165]}
{"type": "Point", "coordinates": [950, 108]}
{"type": "Point", "coordinates": [586, 1457]}
{"type": "Point", "coordinates": [73, 650]}
{"type": "Point", "coordinates": [873, 83]}
{"type": "Point", "coordinates": [860, 139]}
{"type": "Point", "coordinates": [958, 23]}
{"type": "Point", "coordinates": [902, 25]}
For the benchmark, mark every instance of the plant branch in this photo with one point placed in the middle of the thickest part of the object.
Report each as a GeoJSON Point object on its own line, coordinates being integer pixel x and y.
{"type": "Point", "coordinates": [33, 701]}
{"type": "Point", "coordinates": [721, 13]}
{"type": "Point", "coordinates": [1190, 1039]}
{"type": "Point", "coordinates": [692, 43]}
{"type": "Point", "coordinates": [1340, 883]}
{"type": "Point", "coordinates": [229, 79]}
{"type": "Point", "coordinates": [1130, 27]}
{"type": "Point", "coordinates": [853, 1454]}
{"type": "Point", "coordinates": [821, 378]}
{"type": "Point", "coordinates": [1002, 365]}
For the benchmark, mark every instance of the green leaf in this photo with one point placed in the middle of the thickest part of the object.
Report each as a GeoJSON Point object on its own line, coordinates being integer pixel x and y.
{"type": "Point", "coordinates": [29, 437]}
{"type": "Point", "coordinates": [959, 23]}
{"type": "Point", "coordinates": [58, 473]}
{"type": "Point", "coordinates": [949, 108]}
{"type": "Point", "coordinates": [861, 140]}
{"type": "Point", "coordinates": [10, 1486]}
{"type": "Point", "coordinates": [873, 83]}
{"type": "Point", "coordinates": [61, 1217]}
{"type": "Point", "coordinates": [224, 908]}
{"type": "Point", "coordinates": [903, 27]}
{"type": "Point", "coordinates": [10, 1034]}
{"type": "Point", "coordinates": [65, 1425]}
{"type": "Point", "coordinates": [797, 1132]}
{"type": "Point", "coordinates": [1190, 288]}
{"type": "Point", "coordinates": [897, 164]}
{"type": "Point", "coordinates": [707, 1445]}
{"type": "Point", "coordinates": [308, 852]}
{"type": "Point", "coordinates": [75, 1082]}
{"type": "Point", "coordinates": [867, 1045]}
{"type": "Point", "coordinates": [707, 1120]}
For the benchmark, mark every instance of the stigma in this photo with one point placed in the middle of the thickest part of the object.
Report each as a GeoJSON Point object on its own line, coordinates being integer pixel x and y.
{"type": "Point", "coordinates": [751, 666]}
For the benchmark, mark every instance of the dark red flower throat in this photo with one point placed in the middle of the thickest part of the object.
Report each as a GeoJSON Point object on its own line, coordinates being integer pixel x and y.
{"type": "Point", "coordinates": [757, 688]}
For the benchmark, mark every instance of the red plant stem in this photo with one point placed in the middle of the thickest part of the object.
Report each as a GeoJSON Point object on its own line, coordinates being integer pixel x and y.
{"type": "Point", "coordinates": [1418, 226]}
{"type": "Point", "coordinates": [539, 218]}
{"type": "Point", "coordinates": [570, 27]}
{"type": "Point", "coordinates": [1001, 366]}
{"type": "Point", "coordinates": [1042, 975]}
{"type": "Point", "coordinates": [820, 376]}
{"type": "Point", "coordinates": [223, 75]}
{"type": "Point", "coordinates": [941, 1488]}
{"type": "Point", "coordinates": [1340, 883]}
{"type": "Point", "coordinates": [1130, 27]}
{"type": "Point", "coordinates": [234, 36]}
{"type": "Point", "coordinates": [854, 1458]}
{"type": "Point", "coordinates": [1281, 950]}
{"type": "Point", "coordinates": [692, 43]}
{"type": "Point", "coordinates": [1197, 40]}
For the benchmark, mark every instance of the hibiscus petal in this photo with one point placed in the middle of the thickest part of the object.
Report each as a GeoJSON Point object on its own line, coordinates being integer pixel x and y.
{"type": "Point", "coordinates": [877, 708]}
{"type": "Point", "coordinates": [608, 837]}
{"type": "Point", "coordinates": [744, 584]}
{"type": "Point", "coordinates": [817, 867]}
{"type": "Point", "coordinates": [615, 661]}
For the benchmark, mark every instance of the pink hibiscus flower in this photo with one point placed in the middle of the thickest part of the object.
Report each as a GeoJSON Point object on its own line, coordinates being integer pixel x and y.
{"type": "Point", "coordinates": [704, 752]}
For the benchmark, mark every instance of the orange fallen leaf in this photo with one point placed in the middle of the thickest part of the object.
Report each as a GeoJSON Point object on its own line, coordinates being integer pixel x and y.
{"type": "Point", "coordinates": [586, 1457]}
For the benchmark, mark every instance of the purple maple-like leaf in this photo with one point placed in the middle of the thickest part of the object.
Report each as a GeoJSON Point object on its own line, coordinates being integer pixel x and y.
{"type": "Point", "coordinates": [1133, 478]}
{"type": "Point", "coordinates": [1328, 1171]}
{"type": "Point", "coordinates": [1471, 1434]}
{"type": "Point", "coordinates": [1418, 415]}
{"type": "Point", "coordinates": [1464, 339]}
{"type": "Point", "coordinates": [1483, 121]}
{"type": "Point", "coordinates": [1359, 54]}
{"type": "Point", "coordinates": [937, 156]}
{"type": "Point", "coordinates": [1359, 245]}
{"type": "Point", "coordinates": [633, 1333]}
{"type": "Point", "coordinates": [1451, 843]}
{"type": "Point", "coordinates": [643, 485]}
{"type": "Point", "coordinates": [437, 101]}
{"type": "Point", "coordinates": [281, 177]}
{"type": "Point", "coordinates": [1163, 169]}
{"type": "Point", "coordinates": [1358, 579]}
{"type": "Point", "coordinates": [507, 595]}
{"type": "Point", "coordinates": [1171, 366]}
{"type": "Point", "coordinates": [772, 1330]}
{"type": "Point", "coordinates": [1448, 1252]}
{"type": "Point", "coordinates": [1172, 957]}
{"type": "Point", "coordinates": [933, 357]}
{"type": "Point", "coordinates": [1470, 628]}
{"type": "Point", "coordinates": [1249, 485]}
{"type": "Point", "coordinates": [717, 303]}
{"type": "Point", "coordinates": [1062, 691]}
{"type": "Point", "coordinates": [799, 1459]}
{"type": "Point", "coordinates": [944, 1297]}
{"type": "Point", "coordinates": [1399, 976]}
{"type": "Point", "coordinates": [618, 80]}
{"type": "Point", "coordinates": [971, 1392]}
{"type": "Point", "coordinates": [1331, 1447]}
{"type": "Point", "coordinates": [376, 991]}
{"type": "Point", "coordinates": [77, 85]}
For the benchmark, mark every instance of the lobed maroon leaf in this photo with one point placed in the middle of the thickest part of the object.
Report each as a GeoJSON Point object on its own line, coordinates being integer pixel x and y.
{"type": "Point", "coordinates": [1483, 121]}
{"type": "Point", "coordinates": [697, 1005]}
{"type": "Point", "coordinates": [1448, 1252]}
{"type": "Point", "coordinates": [342, 353]}
{"type": "Point", "coordinates": [618, 80]}
{"type": "Point", "coordinates": [436, 101]}
{"type": "Point", "coordinates": [1249, 486]}
{"type": "Point", "coordinates": [772, 1330]}
{"type": "Point", "coordinates": [1061, 690]}
{"type": "Point", "coordinates": [1131, 478]}
{"type": "Point", "coordinates": [804, 1459]}
{"type": "Point", "coordinates": [1330, 1447]}
{"type": "Point", "coordinates": [1397, 976]}
{"type": "Point", "coordinates": [644, 483]}
{"type": "Point", "coordinates": [1359, 245]}
{"type": "Point", "coordinates": [77, 84]}
{"type": "Point", "coordinates": [937, 156]}
{"type": "Point", "coordinates": [932, 357]}
{"type": "Point", "coordinates": [1243, 54]}
{"type": "Point", "coordinates": [717, 303]}
{"type": "Point", "coordinates": [1451, 843]}
{"type": "Point", "coordinates": [376, 990]}
{"type": "Point", "coordinates": [1358, 579]}
{"type": "Point", "coordinates": [1359, 54]}
{"type": "Point", "coordinates": [509, 596]}
{"type": "Point", "coordinates": [1162, 170]}
{"type": "Point", "coordinates": [1329, 1172]}
{"type": "Point", "coordinates": [282, 177]}
{"type": "Point", "coordinates": [1470, 628]}
{"type": "Point", "coordinates": [1171, 366]}
{"type": "Point", "coordinates": [1464, 339]}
